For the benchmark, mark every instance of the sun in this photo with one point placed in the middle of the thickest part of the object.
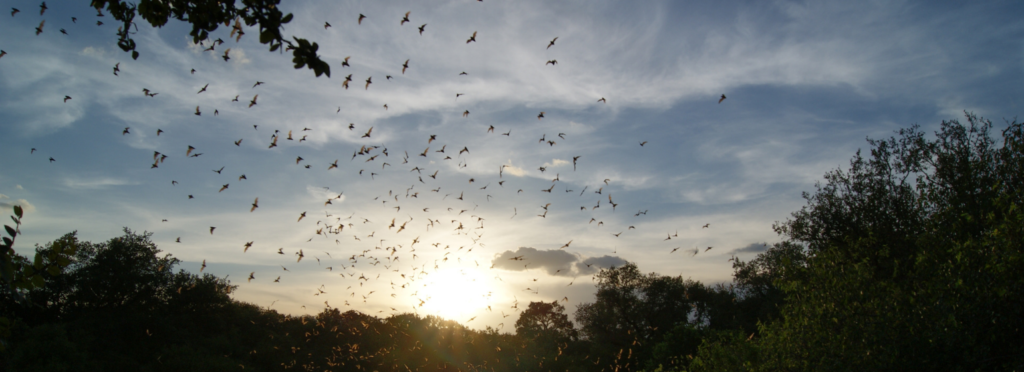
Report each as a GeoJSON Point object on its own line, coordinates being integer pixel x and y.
{"type": "Point", "coordinates": [456, 294]}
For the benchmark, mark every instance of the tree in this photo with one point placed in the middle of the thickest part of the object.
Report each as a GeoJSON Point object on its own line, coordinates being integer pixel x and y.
{"type": "Point", "coordinates": [205, 16]}
{"type": "Point", "coordinates": [913, 260]}
{"type": "Point", "coordinates": [759, 296]}
{"type": "Point", "coordinates": [18, 276]}
{"type": "Point", "coordinates": [120, 304]}
{"type": "Point", "coordinates": [125, 273]}
{"type": "Point", "coordinates": [549, 336]}
{"type": "Point", "coordinates": [545, 320]}
{"type": "Point", "coordinates": [633, 312]}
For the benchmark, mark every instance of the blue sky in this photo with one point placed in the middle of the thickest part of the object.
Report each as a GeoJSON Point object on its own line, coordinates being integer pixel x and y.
{"type": "Point", "coordinates": [806, 84]}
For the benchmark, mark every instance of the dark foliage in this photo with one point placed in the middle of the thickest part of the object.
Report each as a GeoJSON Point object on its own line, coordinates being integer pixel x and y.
{"type": "Point", "coordinates": [913, 262]}
{"type": "Point", "coordinates": [206, 16]}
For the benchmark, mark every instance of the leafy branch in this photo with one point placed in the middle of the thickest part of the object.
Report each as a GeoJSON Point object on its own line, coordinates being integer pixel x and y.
{"type": "Point", "coordinates": [7, 250]}
{"type": "Point", "coordinates": [17, 274]}
{"type": "Point", "coordinates": [207, 15]}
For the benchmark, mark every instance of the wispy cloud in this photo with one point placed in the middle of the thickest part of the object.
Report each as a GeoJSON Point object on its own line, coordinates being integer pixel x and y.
{"type": "Point", "coordinates": [556, 162]}
{"type": "Point", "coordinates": [96, 182]}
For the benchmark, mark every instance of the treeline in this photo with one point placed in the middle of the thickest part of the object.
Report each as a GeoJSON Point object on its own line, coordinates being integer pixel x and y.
{"type": "Point", "coordinates": [120, 305]}
{"type": "Point", "coordinates": [909, 260]}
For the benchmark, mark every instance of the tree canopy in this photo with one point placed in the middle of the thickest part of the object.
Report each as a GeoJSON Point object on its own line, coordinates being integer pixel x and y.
{"type": "Point", "coordinates": [545, 320]}
{"type": "Point", "coordinates": [912, 261]}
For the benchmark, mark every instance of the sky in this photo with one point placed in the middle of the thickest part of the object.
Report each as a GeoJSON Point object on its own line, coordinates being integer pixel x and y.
{"type": "Point", "coordinates": [806, 83]}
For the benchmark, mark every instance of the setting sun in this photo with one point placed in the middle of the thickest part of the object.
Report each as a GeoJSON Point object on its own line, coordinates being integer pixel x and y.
{"type": "Point", "coordinates": [456, 295]}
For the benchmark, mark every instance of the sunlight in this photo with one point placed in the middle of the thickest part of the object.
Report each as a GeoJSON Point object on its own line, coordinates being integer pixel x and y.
{"type": "Point", "coordinates": [456, 295]}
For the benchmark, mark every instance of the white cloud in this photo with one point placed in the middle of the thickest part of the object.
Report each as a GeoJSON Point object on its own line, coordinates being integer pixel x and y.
{"type": "Point", "coordinates": [238, 57]}
{"type": "Point", "coordinates": [6, 204]}
{"type": "Point", "coordinates": [514, 170]}
{"type": "Point", "coordinates": [556, 162]}
{"type": "Point", "coordinates": [93, 52]}
{"type": "Point", "coordinates": [96, 182]}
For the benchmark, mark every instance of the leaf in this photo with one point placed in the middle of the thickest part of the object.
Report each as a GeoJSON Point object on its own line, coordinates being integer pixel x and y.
{"type": "Point", "coordinates": [37, 281]}
{"type": "Point", "coordinates": [287, 18]}
{"type": "Point", "coordinates": [135, 55]}
{"type": "Point", "coordinates": [8, 242]}
{"type": "Point", "coordinates": [16, 220]}
{"type": "Point", "coordinates": [11, 231]}
{"type": "Point", "coordinates": [17, 211]}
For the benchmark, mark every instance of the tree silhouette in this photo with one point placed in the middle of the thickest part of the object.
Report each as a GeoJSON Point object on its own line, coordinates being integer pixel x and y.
{"type": "Point", "coordinates": [549, 334]}
{"type": "Point", "coordinates": [545, 320]}
{"type": "Point", "coordinates": [206, 16]}
{"type": "Point", "coordinates": [634, 311]}
{"type": "Point", "coordinates": [913, 261]}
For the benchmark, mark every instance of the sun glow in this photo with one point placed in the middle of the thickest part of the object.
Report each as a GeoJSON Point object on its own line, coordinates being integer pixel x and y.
{"type": "Point", "coordinates": [456, 295]}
